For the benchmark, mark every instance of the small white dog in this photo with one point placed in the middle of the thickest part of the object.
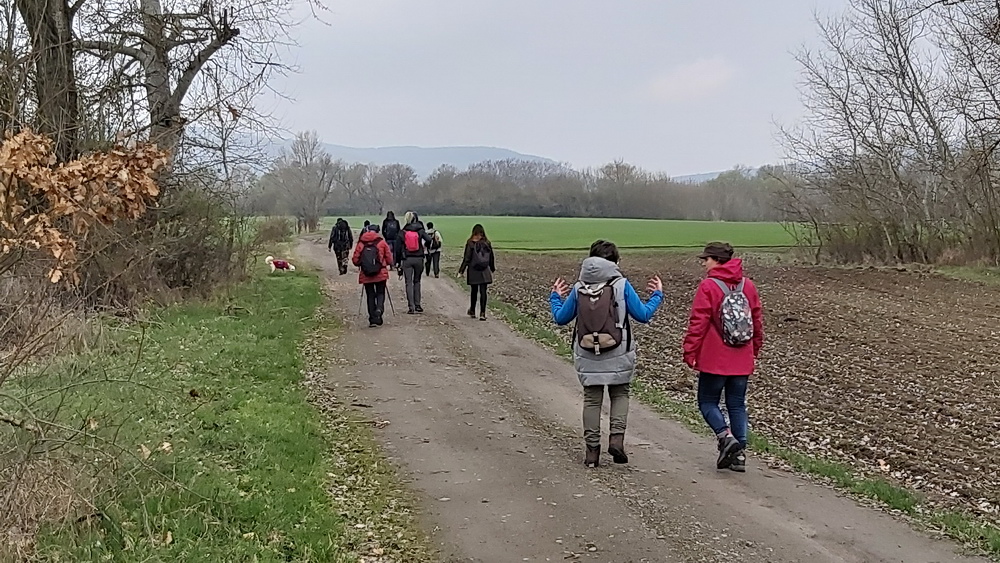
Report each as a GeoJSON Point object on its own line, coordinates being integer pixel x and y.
{"type": "Point", "coordinates": [279, 264]}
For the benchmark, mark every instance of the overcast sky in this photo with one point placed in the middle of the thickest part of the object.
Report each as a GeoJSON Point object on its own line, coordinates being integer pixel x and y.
{"type": "Point", "coordinates": [677, 86]}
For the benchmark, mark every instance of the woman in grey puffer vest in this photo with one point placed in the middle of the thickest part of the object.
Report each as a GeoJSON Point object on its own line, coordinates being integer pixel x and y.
{"type": "Point", "coordinates": [613, 367]}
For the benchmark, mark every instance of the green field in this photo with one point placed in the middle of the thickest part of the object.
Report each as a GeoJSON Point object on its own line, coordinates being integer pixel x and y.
{"type": "Point", "coordinates": [546, 233]}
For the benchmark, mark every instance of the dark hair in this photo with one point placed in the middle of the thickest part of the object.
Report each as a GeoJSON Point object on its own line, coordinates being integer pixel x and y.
{"type": "Point", "coordinates": [367, 222]}
{"type": "Point", "coordinates": [721, 252]}
{"type": "Point", "coordinates": [430, 224]}
{"type": "Point", "coordinates": [478, 230]}
{"type": "Point", "coordinates": [605, 249]}
{"type": "Point", "coordinates": [390, 215]}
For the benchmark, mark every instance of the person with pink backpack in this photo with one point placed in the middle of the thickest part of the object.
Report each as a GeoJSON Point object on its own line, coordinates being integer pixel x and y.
{"type": "Point", "coordinates": [410, 244]}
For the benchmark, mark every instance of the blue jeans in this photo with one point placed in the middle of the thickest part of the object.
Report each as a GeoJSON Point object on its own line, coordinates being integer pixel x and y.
{"type": "Point", "coordinates": [710, 389]}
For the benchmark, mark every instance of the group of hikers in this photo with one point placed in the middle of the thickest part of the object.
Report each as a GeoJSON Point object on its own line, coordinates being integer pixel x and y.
{"type": "Point", "coordinates": [724, 335]}
{"type": "Point", "coordinates": [412, 250]}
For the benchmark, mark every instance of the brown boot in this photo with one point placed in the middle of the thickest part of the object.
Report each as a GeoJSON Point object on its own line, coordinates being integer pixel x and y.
{"type": "Point", "coordinates": [593, 456]}
{"type": "Point", "coordinates": [616, 447]}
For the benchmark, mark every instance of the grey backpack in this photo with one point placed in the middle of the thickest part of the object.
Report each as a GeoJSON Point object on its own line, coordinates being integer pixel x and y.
{"type": "Point", "coordinates": [735, 317]}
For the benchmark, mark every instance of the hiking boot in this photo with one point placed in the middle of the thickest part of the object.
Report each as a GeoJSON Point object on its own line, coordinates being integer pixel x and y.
{"type": "Point", "coordinates": [616, 447]}
{"type": "Point", "coordinates": [419, 309]}
{"type": "Point", "coordinates": [372, 324]}
{"type": "Point", "coordinates": [728, 448]}
{"type": "Point", "coordinates": [482, 317]}
{"type": "Point", "coordinates": [739, 462]}
{"type": "Point", "coordinates": [593, 456]}
{"type": "Point", "coordinates": [410, 312]}
{"type": "Point", "coordinates": [471, 313]}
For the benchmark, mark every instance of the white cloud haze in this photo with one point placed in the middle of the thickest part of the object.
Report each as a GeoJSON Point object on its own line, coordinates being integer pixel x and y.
{"type": "Point", "coordinates": [680, 87]}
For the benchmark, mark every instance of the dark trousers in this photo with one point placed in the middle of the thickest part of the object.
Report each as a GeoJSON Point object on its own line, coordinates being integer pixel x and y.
{"type": "Point", "coordinates": [375, 292]}
{"type": "Point", "coordinates": [432, 260]}
{"type": "Point", "coordinates": [478, 290]}
{"type": "Point", "coordinates": [413, 269]}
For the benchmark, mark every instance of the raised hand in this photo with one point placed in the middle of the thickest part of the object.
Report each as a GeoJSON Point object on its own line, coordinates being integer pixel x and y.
{"type": "Point", "coordinates": [560, 287]}
{"type": "Point", "coordinates": [655, 284]}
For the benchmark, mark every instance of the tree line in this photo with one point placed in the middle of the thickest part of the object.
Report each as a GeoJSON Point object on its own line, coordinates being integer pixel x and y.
{"type": "Point", "coordinates": [307, 183]}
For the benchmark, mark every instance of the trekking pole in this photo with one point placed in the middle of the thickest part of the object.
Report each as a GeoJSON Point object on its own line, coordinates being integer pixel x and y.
{"type": "Point", "coordinates": [389, 297]}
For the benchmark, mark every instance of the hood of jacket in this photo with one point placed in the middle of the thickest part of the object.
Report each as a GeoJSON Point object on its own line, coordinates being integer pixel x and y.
{"type": "Point", "coordinates": [598, 270]}
{"type": "Point", "coordinates": [731, 272]}
{"type": "Point", "coordinates": [414, 226]}
{"type": "Point", "coordinates": [369, 237]}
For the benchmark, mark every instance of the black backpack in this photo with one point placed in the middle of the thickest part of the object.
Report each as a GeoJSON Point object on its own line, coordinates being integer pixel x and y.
{"type": "Point", "coordinates": [391, 230]}
{"type": "Point", "coordinates": [371, 265]}
{"type": "Point", "coordinates": [481, 256]}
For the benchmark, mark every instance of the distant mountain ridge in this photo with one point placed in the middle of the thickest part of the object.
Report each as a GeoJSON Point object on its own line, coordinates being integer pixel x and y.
{"type": "Point", "coordinates": [425, 160]}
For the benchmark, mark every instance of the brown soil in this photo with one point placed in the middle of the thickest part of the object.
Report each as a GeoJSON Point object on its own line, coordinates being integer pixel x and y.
{"type": "Point", "coordinates": [485, 425]}
{"type": "Point", "coordinates": [892, 371]}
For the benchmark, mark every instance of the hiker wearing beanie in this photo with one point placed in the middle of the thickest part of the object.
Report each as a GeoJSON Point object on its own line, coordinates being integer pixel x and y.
{"type": "Point", "coordinates": [604, 350]}
{"type": "Point", "coordinates": [724, 337]}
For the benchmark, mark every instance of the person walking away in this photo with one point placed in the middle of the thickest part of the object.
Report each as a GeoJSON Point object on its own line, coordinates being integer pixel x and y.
{"type": "Point", "coordinates": [373, 258]}
{"type": "Point", "coordinates": [479, 262]}
{"type": "Point", "coordinates": [604, 350]}
{"type": "Point", "coordinates": [341, 241]}
{"type": "Point", "coordinates": [724, 336]}
{"type": "Point", "coordinates": [410, 243]}
{"type": "Point", "coordinates": [433, 255]}
{"type": "Point", "coordinates": [365, 226]}
{"type": "Point", "coordinates": [390, 230]}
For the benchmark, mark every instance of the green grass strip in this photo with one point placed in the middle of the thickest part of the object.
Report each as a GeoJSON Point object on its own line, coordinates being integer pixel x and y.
{"type": "Point", "coordinates": [249, 459]}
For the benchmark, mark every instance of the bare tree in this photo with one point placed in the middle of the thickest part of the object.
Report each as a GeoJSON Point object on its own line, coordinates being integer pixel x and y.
{"type": "Point", "coordinates": [303, 179]}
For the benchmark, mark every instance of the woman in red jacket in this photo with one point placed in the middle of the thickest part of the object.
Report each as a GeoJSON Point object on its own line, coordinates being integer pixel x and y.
{"type": "Point", "coordinates": [724, 366]}
{"type": "Point", "coordinates": [373, 257]}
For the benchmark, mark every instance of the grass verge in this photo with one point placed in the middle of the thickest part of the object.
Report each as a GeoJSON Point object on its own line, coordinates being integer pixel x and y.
{"type": "Point", "coordinates": [231, 462]}
{"type": "Point", "coordinates": [962, 527]}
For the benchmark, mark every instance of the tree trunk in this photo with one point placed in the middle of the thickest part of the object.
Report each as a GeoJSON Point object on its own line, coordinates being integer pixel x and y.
{"type": "Point", "coordinates": [50, 26]}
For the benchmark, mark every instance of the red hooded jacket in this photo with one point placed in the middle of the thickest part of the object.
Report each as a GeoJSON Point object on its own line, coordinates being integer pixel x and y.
{"type": "Point", "coordinates": [384, 254]}
{"type": "Point", "coordinates": [704, 349]}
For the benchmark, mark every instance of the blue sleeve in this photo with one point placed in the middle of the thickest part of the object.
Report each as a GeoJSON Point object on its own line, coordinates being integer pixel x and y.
{"type": "Point", "coordinates": [563, 311]}
{"type": "Point", "coordinates": [642, 312]}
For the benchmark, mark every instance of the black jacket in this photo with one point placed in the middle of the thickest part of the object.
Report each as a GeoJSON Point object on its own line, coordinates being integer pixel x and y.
{"type": "Point", "coordinates": [343, 242]}
{"type": "Point", "coordinates": [474, 276]}
{"type": "Point", "coordinates": [425, 239]}
{"type": "Point", "coordinates": [388, 225]}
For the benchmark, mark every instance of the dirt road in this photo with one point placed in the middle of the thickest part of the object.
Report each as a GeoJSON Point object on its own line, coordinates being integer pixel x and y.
{"type": "Point", "coordinates": [485, 426]}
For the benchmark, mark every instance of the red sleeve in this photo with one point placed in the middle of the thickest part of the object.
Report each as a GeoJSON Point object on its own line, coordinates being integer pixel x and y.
{"type": "Point", "coordinates": [699, 323]}
{"type": "Point", "coordinates": [757, 311]}
{"type": "Point", "coordinates": [356, 259]}
{"type": "Point", "coordinates": [385, 253]}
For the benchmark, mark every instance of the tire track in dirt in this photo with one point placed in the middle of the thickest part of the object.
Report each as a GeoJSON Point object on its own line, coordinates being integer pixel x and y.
{"type": "Point", "coordinates": [485, 425]}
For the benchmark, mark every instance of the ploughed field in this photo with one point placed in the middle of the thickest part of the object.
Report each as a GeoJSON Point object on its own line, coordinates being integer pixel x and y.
{"type": "Point", "coordinates": [893, 372]}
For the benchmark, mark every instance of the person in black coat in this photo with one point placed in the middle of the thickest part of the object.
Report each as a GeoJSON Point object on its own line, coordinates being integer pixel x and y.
{"type": "Point", "coordinates": [479, 264]}
{"type": "Point", "coordinates": [341, 243]}
{"type": "Point", "coordinates": [390, 230]}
